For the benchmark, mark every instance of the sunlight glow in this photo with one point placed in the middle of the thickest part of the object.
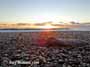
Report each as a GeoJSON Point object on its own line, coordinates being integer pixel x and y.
{"type": "Point", "coordinates": [46, 26]}
{"type": "Point", "coordinates": [45, 18]}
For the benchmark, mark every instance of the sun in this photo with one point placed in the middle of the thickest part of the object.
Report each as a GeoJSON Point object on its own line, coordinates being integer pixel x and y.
{"type": "Point", "coordinates": [47, 26]}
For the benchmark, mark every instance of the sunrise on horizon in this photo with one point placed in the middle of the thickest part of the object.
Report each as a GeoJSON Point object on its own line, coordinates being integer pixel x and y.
{"type": "Point", "coordinates": [44, 33]}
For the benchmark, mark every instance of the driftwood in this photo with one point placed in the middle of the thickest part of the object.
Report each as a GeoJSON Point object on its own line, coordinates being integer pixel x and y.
{"type": "Point", "coordinates": [60, 42]}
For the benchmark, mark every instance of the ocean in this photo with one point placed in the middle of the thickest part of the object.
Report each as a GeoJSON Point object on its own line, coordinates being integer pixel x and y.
{"type": "Point", "coordinates": [41, 30]}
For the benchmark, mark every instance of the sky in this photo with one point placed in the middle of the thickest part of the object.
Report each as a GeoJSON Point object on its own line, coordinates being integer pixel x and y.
{"type": "Point", "coordinates": [33, 11]}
